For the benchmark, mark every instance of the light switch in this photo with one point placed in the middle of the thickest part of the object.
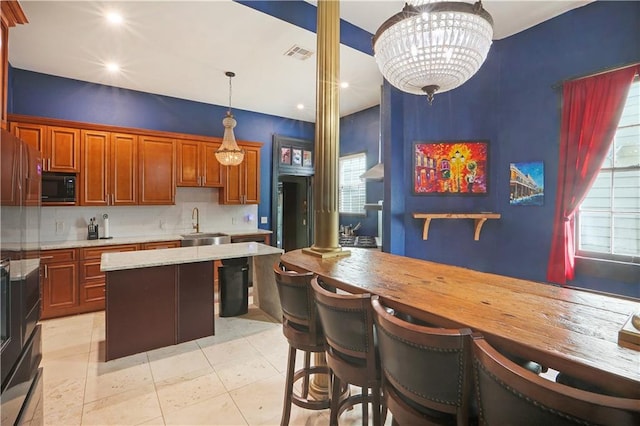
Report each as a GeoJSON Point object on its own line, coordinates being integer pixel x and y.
{"type": "Point", "coordinates": [263, 219]}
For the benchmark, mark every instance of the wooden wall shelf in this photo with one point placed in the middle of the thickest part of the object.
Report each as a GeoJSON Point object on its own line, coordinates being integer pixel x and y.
{"type": "Point", "coordinates": [480, 219]}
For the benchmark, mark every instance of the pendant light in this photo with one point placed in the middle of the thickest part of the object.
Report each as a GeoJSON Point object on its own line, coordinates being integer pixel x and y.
{"type": "Point", "coordinates": [229, 154]}
{"type": "Point", "coordinates": [433, 46]}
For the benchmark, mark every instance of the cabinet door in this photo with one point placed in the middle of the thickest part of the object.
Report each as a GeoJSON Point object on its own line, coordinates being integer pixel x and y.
{"type": "Point", "coordinates": [188, 163]}
{"type": "Point", "coordinates": [62, 149]}
{"type": "Point", "coordinates": [123, 170]}
{"type": "Point", "coordinates": [33, 134]}
{"type": "Point", "coordinates": [59, 288]}
{"type": "Point", "coordinates": [251, 176]}
{"type": "Point", "coordinates": [242, 182]}
{"type": "Point", "coordinates": [94, 164]}
{"type": "Point", "coordinates": [211, 168]}
{"type": "Point", "coordinates": [157, 170]}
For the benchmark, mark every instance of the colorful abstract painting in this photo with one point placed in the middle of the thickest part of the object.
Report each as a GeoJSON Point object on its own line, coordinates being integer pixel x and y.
{"type": "Point", "coordinates": [451, 168]}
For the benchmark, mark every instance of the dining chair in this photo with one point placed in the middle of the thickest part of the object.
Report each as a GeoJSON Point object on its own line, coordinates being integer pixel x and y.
{"type": "Point", "coordinates": [426, 371]}
{"type": "Point", "coordinates": [303, 331]}
{"type": "Point", "coordinates": [511, 395]}
{"type": "Point", "coordinates": [347, 321]}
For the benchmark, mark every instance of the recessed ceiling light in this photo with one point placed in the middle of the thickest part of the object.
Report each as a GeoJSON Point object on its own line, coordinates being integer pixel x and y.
{"type": "Point", "coordinates": [344, 84]}
{"type": "Point", "coordinates": [112, 67]}
{"type": "Point", "coordinates": [300, 106]}
{"type": "Point", "coordinates": [114, 18]}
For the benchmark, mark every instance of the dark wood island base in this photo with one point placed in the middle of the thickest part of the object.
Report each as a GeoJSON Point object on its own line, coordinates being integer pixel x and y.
{"type": "Point", "coordinates": [149, 308]}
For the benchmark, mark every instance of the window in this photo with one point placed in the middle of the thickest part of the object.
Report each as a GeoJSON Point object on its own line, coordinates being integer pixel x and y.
{"type": "Point", "coordinates": [353, 191]}
{"type": "Point", "coordinates": [609, 216]}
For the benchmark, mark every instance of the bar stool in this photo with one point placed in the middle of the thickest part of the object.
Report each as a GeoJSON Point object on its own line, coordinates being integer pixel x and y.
{"type": "Point", "coordinates": [426, 371]}
{"type": "Point", "coordinates": [347, 321]}
{"type": "Point", "coordinates": [510, 394]}
{"type": "Point", "coordinates": [303, 331]}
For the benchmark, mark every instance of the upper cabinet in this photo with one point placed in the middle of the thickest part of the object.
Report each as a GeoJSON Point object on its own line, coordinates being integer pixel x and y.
{"type": "Point", "coordinates": [197, 164]}
{"type": "Point", "coordinates": [242, 182]}
{"type": "Point", "coordinates": [108, 175]}
{"type": "Point", "coordinates": [156, 166]}
{"type": "Point", "coordinates": [11, 14]}
{"type": "Point", "coordinates": [60, 146]}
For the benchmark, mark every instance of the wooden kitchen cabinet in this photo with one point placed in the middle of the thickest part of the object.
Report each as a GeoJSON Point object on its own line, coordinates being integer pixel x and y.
{"type": "Point", "coordinates": [156, 245]}
{"type": "Point", "coordinates": [11, 14]}
{"type": "Point", "coordinates": [197, 165]}
{"type": "Point", "coordinates": [59, 270]}
{"type": "Point", "coordinates": [109, 169]}
{"type": "Point", "coordinates": [156, 167]}
{"type": "Point", "coordinates": [242, 182]}
{"type": "Point", "coordinates": [91, 279]}
{"type": "Point", "coordinates": [60, 146]}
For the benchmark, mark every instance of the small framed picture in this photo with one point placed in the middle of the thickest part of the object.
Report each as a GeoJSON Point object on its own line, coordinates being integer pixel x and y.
{"type": "Point", "coordinates": [526, 184]}
{"type": "Point", "coordinates": [296, 157]}
{"type": "Point", "coordinates": [306, 159]}
{"type": "Point", "coordinates": [285, 155]}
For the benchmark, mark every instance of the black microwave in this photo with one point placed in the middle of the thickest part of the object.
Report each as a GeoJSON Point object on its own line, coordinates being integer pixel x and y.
{"type": "Point", "coordinates": [58, 187]}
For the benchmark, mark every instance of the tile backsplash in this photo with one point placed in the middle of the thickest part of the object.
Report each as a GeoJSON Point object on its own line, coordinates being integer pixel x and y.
{"type": "Point", "coordinates": [70, 223]}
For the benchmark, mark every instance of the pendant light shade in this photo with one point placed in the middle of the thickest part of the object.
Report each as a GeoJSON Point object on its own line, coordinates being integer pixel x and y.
{"type": "Point", "coordinates": [229, 154]}
{"type": "Point", "coordinates": [434, 46]}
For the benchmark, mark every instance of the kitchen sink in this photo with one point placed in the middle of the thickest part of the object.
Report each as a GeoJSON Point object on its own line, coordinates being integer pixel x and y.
{"type": "Point", "coordinates": [204, 239]}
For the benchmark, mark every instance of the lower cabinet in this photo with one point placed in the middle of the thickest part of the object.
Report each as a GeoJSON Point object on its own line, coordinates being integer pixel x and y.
{"type": "Point", "coordinates": [59, 269]}
{"type": "Point", "coordinates": [92, 280]}
{"type": "Point", "coordinates": [72, 282]}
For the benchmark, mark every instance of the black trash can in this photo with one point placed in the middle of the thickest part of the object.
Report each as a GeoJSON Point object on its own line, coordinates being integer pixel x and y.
{"type": "Point", "coordinates": [233, 281]}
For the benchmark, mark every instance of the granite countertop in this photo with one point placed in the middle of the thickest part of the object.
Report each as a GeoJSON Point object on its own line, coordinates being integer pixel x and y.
{"type": "Point", "coordinates": [19, 269]}
{"type": "Point", "coordinates": [53, 245]}
{"type": "Point", "coordinates": [174, 256]}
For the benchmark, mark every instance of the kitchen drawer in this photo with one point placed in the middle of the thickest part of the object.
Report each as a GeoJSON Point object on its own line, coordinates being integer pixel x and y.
{"type": "Point", "coordinates": [160, 245]}
{"type": "Point", "coordinates": [96, 252]}
{"type": "Point", "coordinates": [93, 292]}
{"type": "Point", "coordinates": [61, 255]}
{"type": "Point", "coordinates": [90, 270]}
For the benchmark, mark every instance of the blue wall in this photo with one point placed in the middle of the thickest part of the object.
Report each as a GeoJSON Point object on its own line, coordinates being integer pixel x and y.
{"type": "Point", "coordinates": [55, 97]}
{"type": "Point", "coordinates": [514, 102]}
{"type": "Point", "coordinates": [359, 132]}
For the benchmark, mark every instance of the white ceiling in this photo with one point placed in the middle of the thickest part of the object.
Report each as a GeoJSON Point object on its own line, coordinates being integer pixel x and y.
{"type": "Point", "coordinates": [182, 49]}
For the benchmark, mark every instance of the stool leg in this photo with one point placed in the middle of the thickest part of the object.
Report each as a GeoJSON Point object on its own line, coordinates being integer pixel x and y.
{"type": "Point", "coordinates": [375, 403]}
{"type": "Point", "coordinates": [286, 409]}
{"type": "Point", "coordinates": [365, 407]}
{"type": "Point", "coordinates": [305, 380]}
{"type": "Point", "coordinates": [335, 400]}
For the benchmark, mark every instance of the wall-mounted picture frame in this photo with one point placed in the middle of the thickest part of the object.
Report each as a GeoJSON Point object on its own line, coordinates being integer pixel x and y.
{"type": "Point", "coordinates": [307, 158]}
{"type": "Point", "coordinates": [451, 168]}
{"type": "Point", "coordinates": [526, 183]}
{"type": "Point", "coordinates": [285, 155]}
{"type": "Point", "coordinates": [296, 157]}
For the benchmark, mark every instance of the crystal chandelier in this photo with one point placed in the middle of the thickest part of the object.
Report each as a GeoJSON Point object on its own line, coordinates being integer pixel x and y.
{"type": "Point", "coordinates": [229, 154]}
{"type": "Point", "coordinates": [432, 45]}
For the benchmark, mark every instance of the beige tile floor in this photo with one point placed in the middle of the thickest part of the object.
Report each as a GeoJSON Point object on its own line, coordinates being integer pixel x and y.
{"type": "Point", "coordinates": [233, 378]}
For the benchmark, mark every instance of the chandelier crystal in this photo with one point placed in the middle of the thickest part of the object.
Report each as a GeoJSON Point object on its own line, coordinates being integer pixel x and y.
{"type": "Point", "coordinates": [434, 46]}
{"type": "Point", "coordinates": [229, 154]}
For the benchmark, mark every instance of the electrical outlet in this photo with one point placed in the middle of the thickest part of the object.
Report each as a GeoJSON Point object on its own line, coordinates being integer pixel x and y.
{"type": "Point", "coordinates": [163, 224]}
{"type": "Point", "coordinates": [263, 219]}
{"type": "Point", "coordinates": [59, 227]}
{"type": "Point", "coordinates": [233, 220]}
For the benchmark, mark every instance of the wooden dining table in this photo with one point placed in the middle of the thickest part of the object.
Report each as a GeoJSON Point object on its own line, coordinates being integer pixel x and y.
{"type": "Point", "coordinates": [569, 330]}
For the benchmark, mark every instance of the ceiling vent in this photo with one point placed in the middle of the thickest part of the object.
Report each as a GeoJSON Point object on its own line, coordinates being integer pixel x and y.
{"type": "Point", "coordinates": [298, 52]}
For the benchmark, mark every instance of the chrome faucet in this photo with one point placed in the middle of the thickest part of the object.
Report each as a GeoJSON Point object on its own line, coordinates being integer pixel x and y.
{"type": "Point", "coordinates": [196, 213]}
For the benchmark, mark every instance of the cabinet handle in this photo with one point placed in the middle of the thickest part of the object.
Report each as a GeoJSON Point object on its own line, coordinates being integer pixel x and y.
{"type": "Point", "coordinates": [46, 271]}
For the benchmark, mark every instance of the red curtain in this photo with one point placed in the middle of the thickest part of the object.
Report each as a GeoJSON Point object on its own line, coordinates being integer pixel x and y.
{"type": "Point", "coordinates": [591, 109]}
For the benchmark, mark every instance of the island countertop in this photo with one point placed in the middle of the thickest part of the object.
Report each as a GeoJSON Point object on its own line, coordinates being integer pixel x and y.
{"type": "Point", "coordinates": [174, 256]}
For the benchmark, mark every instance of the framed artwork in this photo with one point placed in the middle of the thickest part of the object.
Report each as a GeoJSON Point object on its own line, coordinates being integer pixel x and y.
{"type": "Point", "coordinates": [307, 159]}
{"type": "Point", "coordinates": [285, 155]}
{"type": "Point", "coordinates": [296, 157]}
{"type": "Point", "coordinates": [526, 183]}
{"type": "Point", "coordinates": [451, 168]}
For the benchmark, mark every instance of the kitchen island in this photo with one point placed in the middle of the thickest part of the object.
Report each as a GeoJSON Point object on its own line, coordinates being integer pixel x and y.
{"type": "Point", "coordinates": [157, 298]}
